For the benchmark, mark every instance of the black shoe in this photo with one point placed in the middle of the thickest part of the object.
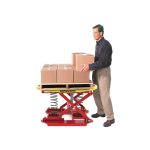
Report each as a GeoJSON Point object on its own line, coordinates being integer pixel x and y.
{"type": "Point", "coordinates": [97, 115]}
{"type": "Point", "coordinates": [109, 123]}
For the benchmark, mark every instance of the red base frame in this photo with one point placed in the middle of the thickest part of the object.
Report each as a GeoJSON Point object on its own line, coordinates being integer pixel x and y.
{"type": "Point", "coordinates": [74, 108]}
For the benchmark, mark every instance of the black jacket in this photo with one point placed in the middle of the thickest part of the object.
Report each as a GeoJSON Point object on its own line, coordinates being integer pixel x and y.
{"type": "Point", "coordinates": [103, 55]}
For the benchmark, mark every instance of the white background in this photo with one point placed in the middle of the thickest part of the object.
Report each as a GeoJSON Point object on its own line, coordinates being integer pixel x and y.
{"type": "Point", "coordinates": [34, 32]}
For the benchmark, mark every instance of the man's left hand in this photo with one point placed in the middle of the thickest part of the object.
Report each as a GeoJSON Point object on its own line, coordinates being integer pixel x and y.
{"type": "Point", "coordinates": [85, 68]}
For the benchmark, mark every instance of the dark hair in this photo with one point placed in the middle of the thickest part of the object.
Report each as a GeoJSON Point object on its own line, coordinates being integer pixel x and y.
{"type": "Point", "coordinates": [100, 28]}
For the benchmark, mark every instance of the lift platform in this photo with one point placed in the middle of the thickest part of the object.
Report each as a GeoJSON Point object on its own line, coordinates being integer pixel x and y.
{"type": "Point", "coordinates": [74, 94]}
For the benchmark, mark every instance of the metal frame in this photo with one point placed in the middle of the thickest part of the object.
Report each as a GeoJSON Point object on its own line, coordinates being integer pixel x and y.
{"type": "Point", "coordinates": [72, 106]}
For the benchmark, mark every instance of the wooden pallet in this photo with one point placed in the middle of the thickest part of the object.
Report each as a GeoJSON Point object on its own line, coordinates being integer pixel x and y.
{"type": "Point", "coordinates": [65, 85]}
{"type": "Point", "coordinates": [59, 87]}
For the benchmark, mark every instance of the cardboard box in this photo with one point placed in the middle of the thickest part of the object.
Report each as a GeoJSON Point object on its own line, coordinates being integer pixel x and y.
{"type": "Point", "coordinates": [65, 73]}
{"type": "Point", "coordinates": [81, 59]}
{"type": "Point", "coordinates": [74, 58]}
{"type": "Point", "coordinates": [48, 74]}
{"type": "Point", "coordinates": [81, 77]}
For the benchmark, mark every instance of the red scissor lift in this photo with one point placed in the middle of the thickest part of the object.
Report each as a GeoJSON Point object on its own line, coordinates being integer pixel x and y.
{"type": "Point", "coordinates": [74, 95]}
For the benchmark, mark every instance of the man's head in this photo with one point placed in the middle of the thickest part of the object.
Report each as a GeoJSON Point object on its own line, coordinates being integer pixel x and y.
{"type": "Point", "coordinates": [98, 32]}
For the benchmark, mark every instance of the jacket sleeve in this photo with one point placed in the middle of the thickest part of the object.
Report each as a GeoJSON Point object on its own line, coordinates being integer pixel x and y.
{"type": "Point", "coordinates": [104, 59]}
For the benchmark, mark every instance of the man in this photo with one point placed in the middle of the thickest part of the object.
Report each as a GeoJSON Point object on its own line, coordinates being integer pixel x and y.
{"type": "Point", "coordinates": [102, 76]}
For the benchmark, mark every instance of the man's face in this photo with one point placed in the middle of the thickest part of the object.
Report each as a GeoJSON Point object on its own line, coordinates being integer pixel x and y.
{"type": "Point", "coordinates": [96, 34]}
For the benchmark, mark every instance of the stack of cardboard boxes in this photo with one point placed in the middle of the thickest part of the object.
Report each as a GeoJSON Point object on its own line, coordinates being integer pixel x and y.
{"type": "Point", "coordinates": [49, 74]}
{"type": "Point", "coordinates": [67, 73]}
{"type": "Point", "coordinates": [79, 59]}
